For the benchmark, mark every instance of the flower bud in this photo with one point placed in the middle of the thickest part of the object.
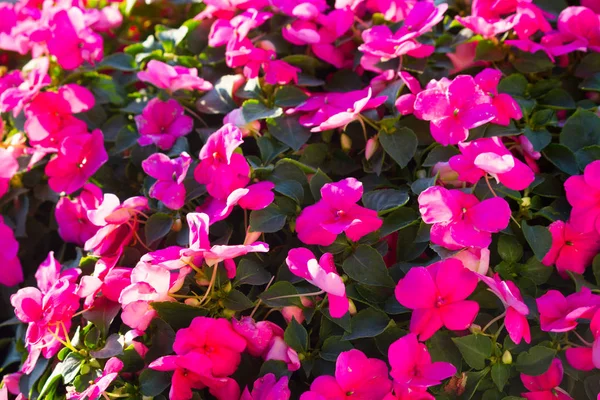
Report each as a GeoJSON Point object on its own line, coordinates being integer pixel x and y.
{"type": "Point", "coordinates": [351, 307]}
{"type": "Point", "coordinates": [251, 237]}
{"type": "Point", "coordinates": [227, 313]}
{"type": "Point", "coordinates": [85, 369]}
{"type": "Point", "coordinates": [371, 147]}
{"type": "Point", "coordinates": [345, 142]}
{"type": "Point", "coordinates": [474, 328]}
{"type": "Point", "coordinates": [446, 175]}
{"type": "Point", "coordinates": [177, 225]}
{"type": "Point", "coordinates": [507, 357]}
{"type": "Point", "coordinates": [526, 202]}
{"type": "Point", "coordinates": [421, 174]}
{"type": "Point", "coordinates": [227, 288]}
{"type": "Point", "coordinates": [192, 302]}
{"type": "Point", "coordinates": [290, 312]}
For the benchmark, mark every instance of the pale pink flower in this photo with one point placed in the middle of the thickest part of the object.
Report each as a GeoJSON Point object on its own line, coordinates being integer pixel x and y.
{"type": "Point", "coordinates": [9, 167]}
{"type": "Point", "coordinates": [477, 260]}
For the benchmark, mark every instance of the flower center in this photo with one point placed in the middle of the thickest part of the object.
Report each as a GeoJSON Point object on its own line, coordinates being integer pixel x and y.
{"type": "Point", "coordinates": [456, 111]}
{"type": "Point", "coordinates": [569, 243]}
{"type": "Point", "coordinates": [440, 302]}
{"type": "Point", "coordinates": [340, 213]}
{"type": "Point", "coordinates": [83, 162]}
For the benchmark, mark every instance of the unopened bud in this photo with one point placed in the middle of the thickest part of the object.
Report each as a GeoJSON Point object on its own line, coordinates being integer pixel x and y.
{"type": "Point", "coordinates": [177, 225]}
{"type": "Point", "coordinates": [371, 147]}
{"type": "Point", "coordinates": [85, 369]}
{"type": "Point", "coordinates": [192, 302]}
{"type": "Point", "coordinates": [421, 174]}
{"type": "Point", "coordinates": [474, 328]}
{"type": "Point", "coordinates": [227, 313]}
{"type": "Point", "coordinates": [251, 237]}
{"type": "Point", "coordinates": [351, 307]}
{"type": "Point", "coordinates": [507, 357]}
{"type": "Point", "coordinates": [345, 142]}
{"type": "Point", "coordinates": [526, 202]}
{"type": "Point", "coordinates": [227, 288]}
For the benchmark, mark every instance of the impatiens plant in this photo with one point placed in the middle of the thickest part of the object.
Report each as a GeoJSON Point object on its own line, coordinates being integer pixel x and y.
{"type": "Point", "coordinates": [300, 199]}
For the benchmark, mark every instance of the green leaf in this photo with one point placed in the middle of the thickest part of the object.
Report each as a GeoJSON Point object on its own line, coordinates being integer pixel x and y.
{"type": "Point", "coordinates": [500, 375]}
{"type": "Point", "coordinates": [385, 199]}
{"type": "Point", "coordinates": [250, 272]}
{"type": "Point", "coordinates": [106, 90]}
{"type": "Point", "coordinates": [296, 336]}
{"type": "Point", "coordinates": [68, 370]}
{"type": "Point", "coordinates": [219, 100]}
{"type": "Point", "coordinates": [177, 315]}
{"type": "Point", "coordinates": [538, 138]}
{"type": "Point", "coordinates": [397, 220]}
{"type": "Point", "coordinates": [316, 183]}
{"type": "Point", "coordinates": [366, 266]}
{"type": "Point", "coordinates": [596, 269]}
{"type": "Point", "coordinates": [268, 220]}
{"type": "Point", "coordinates": [487, 50]}
{"type": "Point", "coordinates": [237, 301]}
{"type": "Point", "coordinates": [591, 84]}
{"type": "Point", "coordinates": [562, 157]}
{"type": "Point", "coordinates": [401, 145]}
{"type": "Point", "coordinates": [171, 38]}
{"type": "Point", "coordinates": [587, 155]}
{"type": "Point", "coordinates": [558, 99]}
{"type": "Point", "coordinates": [291, 189]}
{"type": "Point", "coordinates": [288, 130]}
{"type": "Point", "coordinates": [510, 249]}
{"type": "Point", "coordinates": [153, 382]}
{"type": "Point", "coordinates": [514, 84]}
{"type": "Point", "coordinates": [289, 96]}
{"type": "Point", "coordinates": [535, 361]}
{"type": "Point", "coordinates": [366, 324]}
{"type": "Point", "coordinates": [440, 154]}
{"type": "Point", "coordinates": [536, 271]}
{"type": "Point", "coordinates": [118, 61]}
{"type": "Point", "coordinates": [157, 226]}
{"type": "Point", "coordinates": [582, 129]}
{"type": "Point", "coordinates": [539, 238]}
{"type": "Point", "coordinates": [271, 297]}
{"type": "Point", "coordinates": [254, 110]}
{"type": "Point", "coordinates": [532, 63]}
{"type": "Point", "coordinates": [333, 346]}
{"type": "Point", "coordinates": [475, 349]}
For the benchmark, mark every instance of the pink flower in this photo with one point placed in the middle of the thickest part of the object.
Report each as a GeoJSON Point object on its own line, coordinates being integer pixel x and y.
{"type": "Point", "coordinates": [12, 273]}
{"type": "Point", "coordinates": [454, 109]}
{"type": "Point", "coordinates": [351, 112]}
{"type": "Point", "coordinates": [460, 219]}
{"type": "Point", "coordinates": [218, 159]}
{"type": "Point", "coordinates": [268, 388]}
{"type": "Point", "coordinates": [78, 158]}
{"type": "Point", "coordinates": [71, 215]}
{"type": "Point", "coordinates": [405, 104]}
{"type": "Point", "coordinates": [8, 168]}
{"type": "Point", "coordinates": [72, 43]}
{"type": "Point", "coordinates": [464, 57]}
{"type": "Point", "coordinates": [572, 249]}
{"type": "Point", "coordinates": [170, 174]}
{"type": "Point", "coordinates": [258, 335]}
{"type": "Point", "coordinates": [447, 177]}
{"type": "Point", "coordinates": [411, 364]}
{"type": "Point", "coordinates": [545, 386]}
{"type": "Point", "coordinates": [578, 30]}
{"type": "Point", "coordinates": [253, 197]}
{"type": "Point", "coordinates": [223, 30]}
{"type": "Point", "coordinates": [488, 28]}
{"type": "Point", "coordinates": [437, 294]}
{"type": "Point", "coordinates": [322, 274]}
{"type": "Point", "coordinates": [516, 310]}
{"type": "Point", "coordinates": [560, 314]}
{"type": "Point", "coordinates": [17, 91]}
{"type": "Point", "coordinates": [476, 260]}
{"type": "Point", "coordinates": [335, 213]}
{"type": "Point", "coordinates": [583, 193]}
{"type": "Point", "coordinates": [280, 351]}
{"type": "Point", "coordinates": [490, 156]}
{"type": "Point", "coordinates": [587, 358]}
{"type": "Point", "coordinates": [95, 390]}
{"type": "Point", "coordinates": [530, 19]}
{"type": "Point", "coordinates": [506, 106]}
{"type": "Point", "coordinates": [172, 79]}
{"type": "Point", "coordinates": [355, 376]}
{"type": "Point", "coordinates": [162, 122]}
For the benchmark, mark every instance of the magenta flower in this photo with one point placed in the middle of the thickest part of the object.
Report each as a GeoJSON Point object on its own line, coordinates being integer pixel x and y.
{"type": "Point", "coordinates": [583, 193]}
{"type": "Point", "coordinates": [170, 174]}
{"type": "Point", "coordinates": [253, 197]}
{"type": "Point", "coordinates": [95, 390]}
{"type": "Point", "coordinates": [72, 43]}
{"type": "Point", "coordinates": [268, 388]}
{"type": "Point", "coordinates": [490, 156]}
{"type": "Point", "coordinates": [578, 30]}
{"type": "Point", "coordinates": [488, 28]}
{"type": "Point", "coordinates": [572, 248]}
{"type": "Point", "coordinates": [258, 335]}
{"type": "Point", "coordinates": [218, 159]}
{"type": "Point", "coordinates": [506, 106]}
{"type": "Point", "coordinates": [223, 30]}
{"type": "Point", "coordinates": [411, 364]}
{"type": "Point", "coordinates": [437, 294]}
{"type": "Point", "coordinates": [516, 310]}
{"type": "Point", "coordinates": [12, 273]}
{"type": "Point", "coordinates": [322, 274]}
{"type": "Point", "coordinates": [560, 314]}
{"type": "Point", "coordinates": [279, 350]}
{"type": "Point", "coordinates": [587, 358]}
{"type": "Point", "coordinates": [405, 104]}
{"type": "Point", "coordinates": [454, 109]}
{"type": "Point", "coordinates": [74, 225]}
{"type": "Point", "coordinates": [335, 213]}
{"type": "Point", "coordinates": [17, 91]}
{"type": "Point", "coordinates": [545, 386]}
{"type": "Point", "coordinates": [172, 79]}
{"type": "Point", "coordinates": [78, 158]}
{"type": "Point", "coordinates": [9, 167]}
{"type": "Point", "coordinates": [355, 376]}
{"type": "Point", "coordinates": [162, 122]}
{"type": "Point", "coordinates": [460, 219]}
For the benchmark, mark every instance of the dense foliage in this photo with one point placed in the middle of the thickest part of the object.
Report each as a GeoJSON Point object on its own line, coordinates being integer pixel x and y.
{"type": "Point", "coordinates": [305, 199]}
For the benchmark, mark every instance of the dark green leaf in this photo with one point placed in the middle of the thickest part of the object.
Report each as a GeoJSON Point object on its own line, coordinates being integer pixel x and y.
{"type": "Point", "coordinates": [118, 61]}
{"type": "Point", "coordinates": [157, 226]}
{"type": "Point", "coordinates": [366, 324]}
{"type": "Point", "coordinates": [539, 238]}
{"type": "Point", "coordinates": [538, 138]}
{"type": "Point", "coordinates": [562, 157]}
{"type": "Point", "coordinates": [401, 145]}
{"type": "Point", "coordinates": [289, 96]}
{"type": "Point", "coordinates": [475, 349]}
{"type": "Point", "coordinates": [596, 269]}
{"type": "Point", "coordinates": [177, 315]}
{"type": "Point", "coordinates": [587, 155]}
{"type": "Point", "coordinates": [500, 375]}
{"type": "Point", "coordinates": [397, 220]}
{"type": "Point", "coordinates": [250, 272]}
{"type": "Point", "coordinates": [153, 383]}
{"type": "Point", "coordinates": [333, 346]}
{"type": "Point", "coordinates": [296, 336]}
{"type": "Point", "coordinates": [385, 199]}
{"type": "Point", "coordinates": [291, 189]}
{"type": "Point", "coordinates": [558, 99]}
{"type": "Point", "coordinates": [514, 84]}
{"type": "Point", "coordinates": [532, 63]}
{"type": "Point", "coordinates": [366, 266]}
{"type": "Point", "coordinates": [440, 154]}
{"type": "Point", "coordinates": [267, 220]}
{"type": "Point", "coordinates": [591, 84]}
{"type": "Point", "coordinates": [536, 271]}
{"type": "Point", "coordinates": [535, 361]}
{"type": "Point", "coordinates": [254, 110]}
{"type": "Point", "coordinates": [281, 294]}
{"type": "Point", "coordinates": [237, 301]}
{"type": "Point", "coordinates": [510, 249]}
{"type": "Point", "coordinates": [487, 50]}
{"type": "Point", "coordinates": [316, 183]}
{"type": "Point", "coordinates": [288, 130]}
{"type": "Point", "coordinates": [582, 129]}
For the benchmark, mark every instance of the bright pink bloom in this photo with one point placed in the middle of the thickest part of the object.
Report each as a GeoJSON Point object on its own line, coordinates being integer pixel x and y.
{"type": "Point", "coordinates": [322, 274]}
{"type": "Point", "coordinates": [17, 91]}
{"type": "Point", "coordinates": [95, 390]}
{"type": "Point", "coordinates": [405, 104]}
{"type": "Point", "coordinates": [335, 213]}
{"type": "Point", "coordinates": [218, 160]}
{"type": "Point", "coordinates": [253, 197]}
{"type": "Point", "coordinates": [72, 43]}
{"type": "Point", "coordinates": [280, 351]}
{"type": "Point", "coordinates": [12, 273]}
{"type": "Point", "coordinates": [258, 335]}
{"type": "Point", "coordinates": [170, 174]}
{"type": "Point", "coordinates": [437, 294]}
{"type": "Point", "coordinates": [162, 122]}
{"type": "Point", "coordinates": [587, 358]}
{"type": "Point", "coordinates": [460, 219]}
{"type": "Point", "coordinates": [578, 30]}
{"type": "Point", "coordinates": [490, 156]}
{"type": "Point", "coordinates": [572, 249]}
{"type": "Point", "coordinates": [545, 386]}
{"type": "Point", "coordinates": [78, 158]}
{"type": "Point", "coordinates": [411, 364]}
{"type": "Point", "coordinates": [530, 19]}
{"type": "Point", "coordinates": [356, 376]}
{"type": "Point", "coordinates": [172, 79]}
{"type": "Point", "coordinates": [583, 193]}
{"type": "Point", "coordinates": [351, 112]}
{"type": "Point", "coordinates": [71, 215]}
{"type": "Point", "coordinates": [516, 310]}
{"type": "Point", "coordinates": [506, 106]}
{"type": "Point", "coordinates": [8, 168]}
{"type": "Point", "coordinates": [560, 314]}
{"type": "Point", "coordinates": [488, 28]}
{"type": "Point", "coordinates": [268, 388]}
{"type": "Point", "coordinates": [223, 30]}
{"type": "Point", "coordinates": [454, 108]}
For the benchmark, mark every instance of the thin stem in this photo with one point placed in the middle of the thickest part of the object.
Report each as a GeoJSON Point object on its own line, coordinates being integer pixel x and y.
{"type": "Point", "coordinates": [211, 283]}
{"type": "Point", "coordinates": [364, 128]}
{"type": "Point", "coordinates": [289, 296]}
{"type": "Point", "coordinates": [199, 118]}
{"type": "Point", "coordinates": [489, 185]}
{"type": "Point", "coordinates": [493, 320]}
{"type": "Point", "coordinates": [588, 344]}
{"type": "Point", "coordinates": [259, 299]}
{"type": "Point", "coordinates": [67, 345]}
{"type": "Point", "coordinates": [368, 121]}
